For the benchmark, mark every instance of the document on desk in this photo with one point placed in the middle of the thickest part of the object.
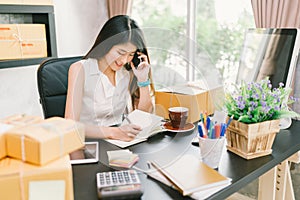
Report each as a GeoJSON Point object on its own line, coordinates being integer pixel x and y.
{"type": "Point", "coordinates": [150, 124]}
{"type": "Point", "coordinates": [190, 176]}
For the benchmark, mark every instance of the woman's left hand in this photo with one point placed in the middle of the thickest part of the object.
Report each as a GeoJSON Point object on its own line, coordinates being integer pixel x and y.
{"type": "Point", "coordinates": [142, 71]}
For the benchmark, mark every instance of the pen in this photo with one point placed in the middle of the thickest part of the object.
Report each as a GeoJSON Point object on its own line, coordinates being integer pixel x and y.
{"type": "Point", "coordinates": [217, 130]}
{"type": "Point", "coordinates": [128, 120]}
{"type": "Point", "coordinates": [200, 131]}
{"type": "Point", "coordinates": [201, 118]}
{"type": "Point", "coordinates": [229, 121]}
{"type": "Point", "coordinates": [212, 135]}
{"type": "Point", "coordinates": [223, 129]}
{"type": "Point", "coordinates": [207, 123]}
{"type": "Point", "coordinates": [205, 134]}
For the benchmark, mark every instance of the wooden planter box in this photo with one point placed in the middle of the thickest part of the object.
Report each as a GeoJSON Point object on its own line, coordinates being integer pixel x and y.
{"type": "Point", "coordinates": [251, 140]}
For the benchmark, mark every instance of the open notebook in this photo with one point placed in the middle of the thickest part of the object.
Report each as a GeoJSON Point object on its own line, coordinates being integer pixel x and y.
{"type": "Point", "coordinates": [150, 124]}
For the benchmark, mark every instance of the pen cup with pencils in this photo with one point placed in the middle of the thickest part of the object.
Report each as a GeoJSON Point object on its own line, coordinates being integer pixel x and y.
{"type": "Point", "coordinates": [211, 150]}
{"type": "Point", "coordinates": [211, 141]}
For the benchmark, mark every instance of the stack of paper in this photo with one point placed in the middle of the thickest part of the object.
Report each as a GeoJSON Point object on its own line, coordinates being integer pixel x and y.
{"type": "Point", "coordinates": [190, 176]}
{"type": "Point", "coordinates": [122, 158]}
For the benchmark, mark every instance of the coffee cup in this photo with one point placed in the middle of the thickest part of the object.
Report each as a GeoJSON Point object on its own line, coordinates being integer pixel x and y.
{"type": "Point", "coordinates": [178, 116]}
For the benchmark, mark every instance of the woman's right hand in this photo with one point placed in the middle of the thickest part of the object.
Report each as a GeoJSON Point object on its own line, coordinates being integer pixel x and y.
{"type": "Point", "coordinates": [126, 132]}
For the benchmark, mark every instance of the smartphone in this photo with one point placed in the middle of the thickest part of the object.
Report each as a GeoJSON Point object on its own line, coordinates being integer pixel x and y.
{"type": "Point", "coordinates": [135, 60]}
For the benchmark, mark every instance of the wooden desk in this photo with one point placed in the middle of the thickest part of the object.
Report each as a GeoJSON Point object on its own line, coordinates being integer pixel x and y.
{"type": "Point", "coordinates": [168, 146]}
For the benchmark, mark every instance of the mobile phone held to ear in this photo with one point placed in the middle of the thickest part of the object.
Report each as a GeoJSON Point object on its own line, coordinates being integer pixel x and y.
{"type": "Point", "coordinates": [135, 60]}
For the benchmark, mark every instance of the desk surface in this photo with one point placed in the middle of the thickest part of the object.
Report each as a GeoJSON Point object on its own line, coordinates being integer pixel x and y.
{"type": "Point", "coordinates": [168, 146]}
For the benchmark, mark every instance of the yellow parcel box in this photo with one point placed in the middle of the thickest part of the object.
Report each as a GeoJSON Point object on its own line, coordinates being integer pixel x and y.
{"type": "Point", "coordinates": [196, 99]}
{"type": "Point", "coordinates": [12, 121]}
{"type": "Point", "coordinates": [23, 181]}
{"type": "Point", "coordinates": [18, 41]}
{"type": "Point", "coordinates": [21, 119]}
{"type": "Point", "coordinates": [43, 142]}
{"type": "Point", "coordinates": [3, 129]}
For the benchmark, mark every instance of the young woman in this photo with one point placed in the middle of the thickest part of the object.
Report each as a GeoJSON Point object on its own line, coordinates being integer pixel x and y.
{"type": "Point", "coordinates": [106, 83]}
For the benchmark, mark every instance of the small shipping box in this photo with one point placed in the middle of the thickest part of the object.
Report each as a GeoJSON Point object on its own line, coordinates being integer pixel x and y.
{"type": "Point", "coordinates": [3, 129]}
{"type": "Point", "coordinates": [12, 121]}
{"type": "Point", "coordinates": [19, 41]}
{"type": "Point", "coordinates": [46, 141]}
{"type": "Point", "coordinates": [23, 181]}
{"type": "Point", "coordinates": [196, 99]}
{"type": "Point", "coordinates": [21, 119]}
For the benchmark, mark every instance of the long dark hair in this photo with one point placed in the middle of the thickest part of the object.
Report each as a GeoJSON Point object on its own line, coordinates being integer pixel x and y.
{"type": "Point", "coordinates": [121, 29]}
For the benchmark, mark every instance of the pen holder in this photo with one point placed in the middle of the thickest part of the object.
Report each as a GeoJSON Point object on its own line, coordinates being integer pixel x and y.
{"type": "Point", "coordinates": [211, 150]}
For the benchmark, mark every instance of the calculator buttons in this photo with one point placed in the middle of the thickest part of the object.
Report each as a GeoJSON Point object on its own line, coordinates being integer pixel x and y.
{"type": "Point", "coordinates": [115, 184]}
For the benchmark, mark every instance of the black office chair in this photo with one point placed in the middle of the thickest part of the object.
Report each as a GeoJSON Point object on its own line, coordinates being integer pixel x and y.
{"type": "Point", "coordinates": [52, 81]}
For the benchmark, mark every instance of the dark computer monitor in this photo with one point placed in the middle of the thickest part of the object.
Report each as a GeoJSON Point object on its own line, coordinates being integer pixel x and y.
{"type": "Point", "coordinates": [269, 52]}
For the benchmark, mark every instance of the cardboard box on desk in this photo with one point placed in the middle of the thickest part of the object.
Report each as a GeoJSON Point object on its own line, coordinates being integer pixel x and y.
{"type": "Point", "coordinates": [21, 119]}
{"type": "Point", "coordinates": [3, 129]}
{"type": "Point", "coordinates": [19, 41]}
{"type": "Point", "coordinates": [19, 180]}
{"type": "Point", "coordinates": [46, 141]}
{"type": "Point", "coordinates": [196, 99]}
{"type": "Point", "coordinates": [193, 98]}
{"type": "Point", "coordinates": [12, 121]}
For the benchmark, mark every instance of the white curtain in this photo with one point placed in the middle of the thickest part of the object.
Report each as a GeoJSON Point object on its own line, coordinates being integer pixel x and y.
{"type": "Point", "coordinates": [119, 7]}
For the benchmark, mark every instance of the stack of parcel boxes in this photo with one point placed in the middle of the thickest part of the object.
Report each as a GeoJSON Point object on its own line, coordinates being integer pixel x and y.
{"type": "Point", "coordinates": [34, 157]}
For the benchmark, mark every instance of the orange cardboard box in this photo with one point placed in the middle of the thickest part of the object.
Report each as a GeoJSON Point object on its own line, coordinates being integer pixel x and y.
{"type": "Point", "coordinates": [19, 180]}
{"type": "Point", "coordinates": [18, 41]}
{"type": "Point", "coordinates": [21, 119]}
{"type": "Point", "coordinates": [12, 121]}
{"type": "Point", "coordinates": [46, 141]}
{"type": "Point", "coordinates": [195, 98]}
{"type": "Point", "coordinates": [3, 129]}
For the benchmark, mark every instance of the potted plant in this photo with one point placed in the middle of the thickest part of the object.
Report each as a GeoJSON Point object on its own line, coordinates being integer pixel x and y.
{"type": "Point", "coordinates": [256, 109]}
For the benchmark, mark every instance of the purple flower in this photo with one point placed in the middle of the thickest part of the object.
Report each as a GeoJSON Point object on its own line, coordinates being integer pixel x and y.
{"type": "Point", "coordinates": [241, 105]}
{"type": "Point", "coordinates": [263, 103]}
{"type": "Point", "coordinates": [255, 96]}
{"type": "Point", "coordinates": [270, 85]}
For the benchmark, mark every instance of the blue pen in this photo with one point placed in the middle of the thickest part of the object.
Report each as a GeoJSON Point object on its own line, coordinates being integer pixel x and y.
{"type": "Point", "coordinates": [200, 131]}
{"type": "Point", "coordinates": [223, 129]}
{"type": "Point", "coordinates": [208, 123]}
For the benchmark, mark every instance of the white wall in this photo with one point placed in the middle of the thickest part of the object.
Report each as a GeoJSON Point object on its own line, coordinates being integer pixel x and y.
{"type": "Point", "coordinates": [77, 25]}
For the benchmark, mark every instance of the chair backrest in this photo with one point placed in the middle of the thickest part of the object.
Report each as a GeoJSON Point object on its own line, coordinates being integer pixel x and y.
{"type": "Point", "coordinates": [52, 81]}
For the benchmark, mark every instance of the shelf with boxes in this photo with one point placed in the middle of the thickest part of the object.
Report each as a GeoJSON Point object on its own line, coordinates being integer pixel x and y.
{"type": "Point", "coordinates": [25, 18]}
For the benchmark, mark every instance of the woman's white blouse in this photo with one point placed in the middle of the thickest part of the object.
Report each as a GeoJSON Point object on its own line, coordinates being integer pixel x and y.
{"type": "Point", "coordinates": [103, 104]}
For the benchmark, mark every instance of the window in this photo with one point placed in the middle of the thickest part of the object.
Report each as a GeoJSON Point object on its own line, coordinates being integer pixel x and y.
{"type": "Point", "coordinates": [191, 40]}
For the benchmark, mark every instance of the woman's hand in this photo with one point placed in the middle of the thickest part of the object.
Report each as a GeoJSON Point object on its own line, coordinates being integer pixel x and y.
{"type": "Point", "coordinates": [126, 132]}
{"type": "Point", "coordinates": [142, 71]}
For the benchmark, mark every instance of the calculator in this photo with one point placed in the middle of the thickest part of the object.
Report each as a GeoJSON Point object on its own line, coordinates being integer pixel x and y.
{"type": "Point", "coordinates": [123, 184]}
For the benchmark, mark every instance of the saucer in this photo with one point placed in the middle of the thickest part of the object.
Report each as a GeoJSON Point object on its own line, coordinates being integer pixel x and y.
{"type": "Point", "coordinates": [168, 126]}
